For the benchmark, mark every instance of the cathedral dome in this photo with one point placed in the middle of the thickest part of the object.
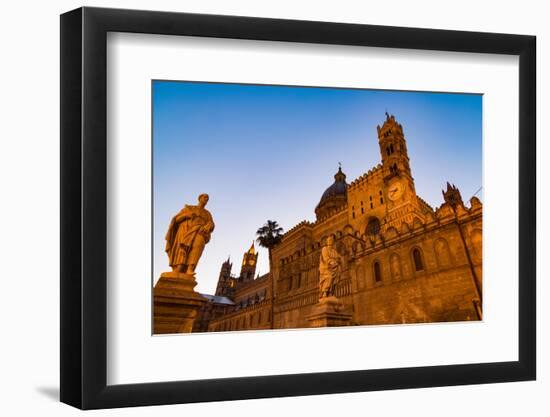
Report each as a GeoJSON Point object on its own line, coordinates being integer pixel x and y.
{"type": "Point", "coordinates": [334, 196]}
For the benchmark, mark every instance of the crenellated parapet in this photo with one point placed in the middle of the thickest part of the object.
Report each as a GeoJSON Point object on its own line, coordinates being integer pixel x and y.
{"type": "Point", "coordinates": [365, 179]}
{"type": "Point", "coordinates": [425, 206]}
{"type": "Point", "coordinates": [304, 224]}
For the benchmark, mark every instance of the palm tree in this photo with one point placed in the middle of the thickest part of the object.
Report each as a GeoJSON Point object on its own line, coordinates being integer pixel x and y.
{"type": "Point", "coordinates": [269, 235]}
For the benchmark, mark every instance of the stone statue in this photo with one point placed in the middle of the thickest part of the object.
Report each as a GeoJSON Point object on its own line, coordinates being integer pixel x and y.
{"type": "Point", "coordinates": [187, 235]}
{"type": "Point", "coordinates": [329, 269]}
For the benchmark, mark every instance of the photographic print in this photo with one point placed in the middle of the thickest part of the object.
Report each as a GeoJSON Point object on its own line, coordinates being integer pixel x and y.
{"type": "Point", "coordinates": [231, 177]}
{"type": "Point", "coordinates": [291, 207]}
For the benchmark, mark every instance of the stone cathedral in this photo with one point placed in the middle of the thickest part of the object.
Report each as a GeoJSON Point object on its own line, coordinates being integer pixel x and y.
{"type": "Point", "coordinates": [402, 260]}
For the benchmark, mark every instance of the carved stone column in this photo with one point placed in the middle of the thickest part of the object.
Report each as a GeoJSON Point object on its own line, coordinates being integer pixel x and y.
{"type": "Point", "coordinates": [176, 303]}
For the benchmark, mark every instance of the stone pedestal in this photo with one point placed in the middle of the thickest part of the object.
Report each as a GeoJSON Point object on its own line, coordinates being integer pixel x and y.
{"type": "Point", "coordinates": [330, 312]}
{"type": "Point", "coordinates": [176, 303]}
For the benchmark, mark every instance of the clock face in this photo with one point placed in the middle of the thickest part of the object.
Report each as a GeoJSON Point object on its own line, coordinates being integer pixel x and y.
{"type": "Point", "coordinates": [395, 191]}
{"type": "Point", "coordinates": [251, 262]}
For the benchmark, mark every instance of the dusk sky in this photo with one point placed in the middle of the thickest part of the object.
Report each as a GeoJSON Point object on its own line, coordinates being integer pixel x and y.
{"type": "Point", "coordinates": [269, 152]}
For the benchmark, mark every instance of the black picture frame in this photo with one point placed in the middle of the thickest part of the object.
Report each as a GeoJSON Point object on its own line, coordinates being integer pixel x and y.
{"type": "Point", "coordinates": [84, 207]}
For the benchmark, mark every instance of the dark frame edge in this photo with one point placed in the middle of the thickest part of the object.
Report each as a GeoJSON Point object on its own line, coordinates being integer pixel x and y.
{"type": "Point", "coordinates": [527, 134]}
{"type": "Point", "coordinates": [246, 388]}
{"type": "Point", "coordinates": [70, 214]}
{"type": "Point", "coordinates": [83, 210]}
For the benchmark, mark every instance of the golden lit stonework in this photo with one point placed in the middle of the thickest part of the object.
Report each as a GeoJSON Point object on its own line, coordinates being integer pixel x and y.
{"type": "Point", "coordinates": [390, 257]}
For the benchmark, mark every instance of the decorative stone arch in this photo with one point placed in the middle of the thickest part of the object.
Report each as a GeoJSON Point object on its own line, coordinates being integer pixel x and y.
{"type": "Point", "coordinates": [417, 223]}
{"type": "Point", "coordinates": [348, 229]}
{"type": "Point", "coordinates": [442, 253]}
{"type": "Point", "coordinates": [430, 216]}
{"type": "Point", "coordinates": [391, 233]}
{"type": "Point", "coordinates": [417, 259]}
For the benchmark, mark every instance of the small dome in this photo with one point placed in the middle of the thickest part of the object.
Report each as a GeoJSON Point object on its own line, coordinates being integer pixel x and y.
{"type": "Point", "coordinates": [334, 196]}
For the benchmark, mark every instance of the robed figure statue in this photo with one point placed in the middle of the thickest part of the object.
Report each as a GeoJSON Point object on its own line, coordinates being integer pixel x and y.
{"type": "Point", "coordinates": [187, 235]}
{"type": "Point", "coordinates": [329, 269]}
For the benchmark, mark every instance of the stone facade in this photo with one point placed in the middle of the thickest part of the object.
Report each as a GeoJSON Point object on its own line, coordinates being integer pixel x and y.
{"type": "Point", "coordinates": [403, 261]}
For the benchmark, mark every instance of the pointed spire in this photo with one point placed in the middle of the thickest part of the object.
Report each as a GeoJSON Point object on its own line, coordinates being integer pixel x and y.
{"type": "Point", "coordinates": [252, 249]}
{"type": "Point", "coordinates": [452, 195]}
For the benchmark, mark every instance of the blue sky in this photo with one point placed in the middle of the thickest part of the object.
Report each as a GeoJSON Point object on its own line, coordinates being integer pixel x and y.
{"type": "Point", "coordinates": [269, 152]}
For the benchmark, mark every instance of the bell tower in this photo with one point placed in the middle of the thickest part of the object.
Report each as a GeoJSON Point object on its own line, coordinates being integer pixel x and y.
{"type": "Point", "coordinates": [403, 205]}
{"type": "Point", "coordinates": [248, 268]}
{"type": "Point", "coordinates": [224, 280]}
{"type": "Point", "coordinates": [393, 148]}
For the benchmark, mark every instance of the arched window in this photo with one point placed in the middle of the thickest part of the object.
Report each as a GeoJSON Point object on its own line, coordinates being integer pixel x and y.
{"type": "Point", "coordinates": [417, 258]}
{"type": "Point", "coordinates": [373, 227]}
{"type": "Point", "coordinates": [377, 271]}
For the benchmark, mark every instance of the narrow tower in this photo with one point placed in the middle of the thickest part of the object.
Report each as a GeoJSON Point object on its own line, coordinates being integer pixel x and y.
{"type": "Point", "coordinates": [393, 148]}
{"type": "Point", "coordinates": [248, 268]}
{"type": "Point", "coordinates": [224, 280]}
{"type": "Point", "coordinates": [403, 205]}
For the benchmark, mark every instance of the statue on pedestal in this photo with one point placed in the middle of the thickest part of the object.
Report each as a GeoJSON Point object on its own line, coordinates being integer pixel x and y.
{"type": "Point", "coordinates": [329, 269]}
{"type": "Point", "coordinates": [187, 235]}
{"type": "Point", "coordinates": [330, 310]}
{"type": "Point", "coordinates": [176, 303]}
